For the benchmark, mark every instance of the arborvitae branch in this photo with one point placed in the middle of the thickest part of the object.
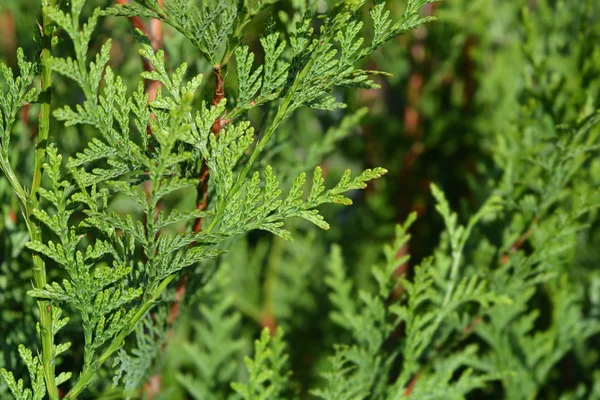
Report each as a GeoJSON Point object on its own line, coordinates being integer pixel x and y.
{"type": "Point", "coordinates": [46, 330]}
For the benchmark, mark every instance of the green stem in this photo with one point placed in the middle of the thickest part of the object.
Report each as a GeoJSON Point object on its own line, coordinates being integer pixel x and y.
{"type": "Point", "coordinates": [45, 98]}
{"type": "Point", "coordinates": [14, 183]}
{"type": "Point", "coordinates": [39, 279]}
{"type": "Point", "coordinates": [89, 374]}
{"type": "Point", "coordinates": [39, 269]}
{"type": "Point", "coordinates": [456, 256]}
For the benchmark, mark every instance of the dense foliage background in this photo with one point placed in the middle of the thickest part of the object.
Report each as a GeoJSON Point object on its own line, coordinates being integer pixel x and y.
{"type": "Point", "coordinates": [495, 98]}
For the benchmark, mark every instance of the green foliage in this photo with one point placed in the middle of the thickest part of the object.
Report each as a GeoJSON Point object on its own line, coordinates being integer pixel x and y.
{"type": "Point", "coordinates": [151, 335]}
{"type": "Point", "coordinates": [17, 92]}
{"type": "Point", "coordinates": [435, 297]}
{"type": "Point", "coordinates": [215, 349]}
{"type": "Point", "coordinates": [267, 370]}
{"type": "Point", "coordinates": [158, 227]}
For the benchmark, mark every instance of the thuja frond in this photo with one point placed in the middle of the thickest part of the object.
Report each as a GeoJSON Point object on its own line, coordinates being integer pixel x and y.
{"type": "Point", "coordinates": [451, 378]}
{"type": "Point", "coordinates": [342, 382]}
{"type": "Point", "coordinates": [268, 373]}
{"type": "Point", "coordinates": [434, 296]}
{"type": "Point", "coordinates": [34, 366]}
{"type": "Point", "coordinates": [438, 290]}
{"type": "Point", "coordinates": [148, 184]}
{"type": "Point", "coordinates": [315, 64]}
{"type": "Point", "coordinates": [135, 366]}
{"type": "Point", "coordinates": [458, 236]}
{"type": "Point", "coordinates": [264, 209]}
{"type": "Point", "coordinates": [522, 274]}
{"type": "Point", "coordinates": [88, 283]}
{"type": "Point", "coordinates": [384, 28]}
{"type": "Point", "coordinates": [208, 26]}
{"type": "Point", "coordinates": [15, 91]}
{"type": "Point", "coordinates": [38, 390]}
{"type": "Point", "coordinates": [103, 269]}
{"type": "Point", "coordinates": [215, 348]}
{"type": "Point", "coordinates": [300, 71]}
{"type": "Point", "coordinates": [529, 354]}
{"type": "Point", "coordinates": [364, 365]}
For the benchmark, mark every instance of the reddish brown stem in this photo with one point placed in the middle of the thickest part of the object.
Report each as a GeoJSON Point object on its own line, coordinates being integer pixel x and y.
{"type": "Point", "coordinates": [219, 93]}
{"type": "Point", "coordinates": [411, 385]}
{"type": "Point", "coordinates": [154, 34]}
{"type": "Point", "coordinates": [268, 321]}
{"type": "Point", "coordinates": [8, 36]}
{"type": "Point", "coordinates": [179, 293]}
{"type": "Point", "coordinates": [202, 194]}
{"type": "Point", "coordinates": [152, 386]}
{"type": "Point", "coordinates": [472, 326]}
{"type": "Point", "coordinates": [202, 188]}
{"type": "Point", "coordinates": [516, 246]}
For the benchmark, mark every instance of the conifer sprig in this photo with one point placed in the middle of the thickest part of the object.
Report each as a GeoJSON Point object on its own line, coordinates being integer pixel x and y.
{"type": "Point", "coordinates": [117, 267]}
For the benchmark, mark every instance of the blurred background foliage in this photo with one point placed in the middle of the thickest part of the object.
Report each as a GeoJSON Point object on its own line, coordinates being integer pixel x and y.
{"type": "Point", "coordinates": [469, 95]}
